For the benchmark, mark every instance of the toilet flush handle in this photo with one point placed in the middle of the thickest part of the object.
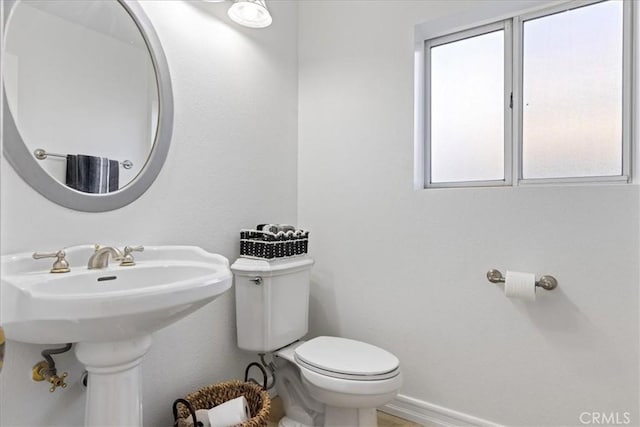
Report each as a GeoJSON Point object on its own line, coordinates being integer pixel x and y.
{"type": "Point", "coordinates": [257, 280]}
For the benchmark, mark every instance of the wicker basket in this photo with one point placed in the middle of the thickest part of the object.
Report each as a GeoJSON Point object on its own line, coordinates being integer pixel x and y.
{"type": "Point", "coordinates": [216, 394]}
{"type": "Point", "coordinates": [266, 245]}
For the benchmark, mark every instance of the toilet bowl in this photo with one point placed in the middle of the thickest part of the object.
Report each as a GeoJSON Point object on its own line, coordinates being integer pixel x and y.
{"type": "Point", "coordinates": [325, 381]}
{"type": "Point", "coordinates": [348, 378]}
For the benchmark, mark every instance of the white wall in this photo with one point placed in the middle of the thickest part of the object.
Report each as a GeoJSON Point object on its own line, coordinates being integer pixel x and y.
{"type": "Point", "coordinates": [406, 269]}
{"type": "Point", "coordinates": [232, 164]}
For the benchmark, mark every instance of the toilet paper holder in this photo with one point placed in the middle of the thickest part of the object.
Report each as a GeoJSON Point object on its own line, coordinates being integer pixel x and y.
{"type": "Point", "coordinates": [545, 282]}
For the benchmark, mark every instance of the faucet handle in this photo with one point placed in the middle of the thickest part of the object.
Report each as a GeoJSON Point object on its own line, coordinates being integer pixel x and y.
{"type": "Point", "coordinates": [60, 265]}
{"type": "Point", "coordinates": [57, 381]}
{"type": "Point", "coordinates": [127, 258]}
{"type": "Point", "coordinates": [42, 371]}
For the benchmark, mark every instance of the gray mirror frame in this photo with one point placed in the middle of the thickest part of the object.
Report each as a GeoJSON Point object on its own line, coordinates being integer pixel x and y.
{"type": "Point", "coordinates": [25, 164]}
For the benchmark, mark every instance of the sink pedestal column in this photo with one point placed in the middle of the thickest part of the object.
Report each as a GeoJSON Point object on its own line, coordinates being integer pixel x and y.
{"type": "Point", "coordinates": [114, 389]}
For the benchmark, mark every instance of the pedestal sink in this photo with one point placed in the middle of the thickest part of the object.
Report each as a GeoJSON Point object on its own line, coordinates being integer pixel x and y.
{"type": "Point", "coordinates": [109, 313]}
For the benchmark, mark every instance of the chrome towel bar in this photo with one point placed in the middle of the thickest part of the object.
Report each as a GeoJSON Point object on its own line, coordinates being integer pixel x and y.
{"type": "Point", "coordinates": [545, 282]}
{"type": "Point", "coordinates": [40, 154]}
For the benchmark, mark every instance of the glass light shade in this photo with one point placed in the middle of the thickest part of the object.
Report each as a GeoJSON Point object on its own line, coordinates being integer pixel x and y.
{"type": "Point", "coordinates": [250, 13]}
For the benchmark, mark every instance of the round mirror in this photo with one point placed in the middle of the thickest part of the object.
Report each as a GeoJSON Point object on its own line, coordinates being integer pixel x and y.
{"type": "Point", "coordinates": [88, 102]}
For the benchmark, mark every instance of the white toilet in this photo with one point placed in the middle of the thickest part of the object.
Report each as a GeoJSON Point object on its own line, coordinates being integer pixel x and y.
{"type": "Point", "coordinates": [326, 381]}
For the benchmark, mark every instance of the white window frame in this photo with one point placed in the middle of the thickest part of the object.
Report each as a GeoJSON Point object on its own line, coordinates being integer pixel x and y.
{"type": "Point", "coordinates": [511, 16]}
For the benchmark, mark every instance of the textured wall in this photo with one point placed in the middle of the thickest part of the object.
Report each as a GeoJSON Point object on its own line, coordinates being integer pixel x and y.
{"type": "Point", "coordinates": [232, 164]}
{"type": "Point", "coordinates": [405, 269]}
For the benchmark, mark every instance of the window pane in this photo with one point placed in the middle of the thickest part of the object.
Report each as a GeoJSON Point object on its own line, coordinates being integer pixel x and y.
{"type": "Point", "coordinates": [572, 93]}
{"type": "Point", "coordinates": [467, 109]}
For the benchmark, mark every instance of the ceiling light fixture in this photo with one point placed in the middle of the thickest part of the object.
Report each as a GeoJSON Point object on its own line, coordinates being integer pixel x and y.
{"type": "Point", "coordinates": [250, 13]}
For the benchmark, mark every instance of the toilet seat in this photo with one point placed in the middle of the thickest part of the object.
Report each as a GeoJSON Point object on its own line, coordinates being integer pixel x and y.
{"type": "Point", "coordinates": [346, 359]}
{"type": "Point", "coordinates": [360, 377]}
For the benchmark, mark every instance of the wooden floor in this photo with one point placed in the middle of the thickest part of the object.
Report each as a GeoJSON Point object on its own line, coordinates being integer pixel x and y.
{"type": "Point", "coordinates": [384, 420]}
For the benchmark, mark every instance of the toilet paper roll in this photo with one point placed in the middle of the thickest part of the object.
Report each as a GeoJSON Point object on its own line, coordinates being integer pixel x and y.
{"type": "Point", "coordinates": [520, 285]}
{"type": "Point", "coordinates": [230, 413]}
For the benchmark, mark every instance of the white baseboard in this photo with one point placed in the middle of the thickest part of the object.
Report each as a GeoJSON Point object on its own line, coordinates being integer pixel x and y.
{"type": "Point", "coordinates": [428, 414]}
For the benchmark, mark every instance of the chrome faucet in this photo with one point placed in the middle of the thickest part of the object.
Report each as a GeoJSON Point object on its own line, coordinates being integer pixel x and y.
{"type": "Point", "coordinates": [100, 258]}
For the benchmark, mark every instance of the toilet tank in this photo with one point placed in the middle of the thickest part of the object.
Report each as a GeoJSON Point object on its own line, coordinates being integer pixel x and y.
{"type": "Point", "coordinates": [272, 301]}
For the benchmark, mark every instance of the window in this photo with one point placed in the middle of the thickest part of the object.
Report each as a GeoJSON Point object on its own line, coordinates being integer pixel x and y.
{"type": "Point", "coordinates": [540, 97]}
{"type": "Point", "coordinates": [572, 93]}
{"type": "Point", "coordinates": [467, 106]}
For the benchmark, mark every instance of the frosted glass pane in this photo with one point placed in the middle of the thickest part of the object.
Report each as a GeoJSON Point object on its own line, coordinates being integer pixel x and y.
{"type": "Point", "coordinates": [572, 93]}
{"type": "Point", "coordinates": [467, 109]}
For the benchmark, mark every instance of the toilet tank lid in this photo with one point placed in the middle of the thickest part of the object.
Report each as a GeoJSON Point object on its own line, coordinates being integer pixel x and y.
{"type": "Point", "coordinates": [249, 266]}
{"type": "Point", "coordinates": [345, 356]}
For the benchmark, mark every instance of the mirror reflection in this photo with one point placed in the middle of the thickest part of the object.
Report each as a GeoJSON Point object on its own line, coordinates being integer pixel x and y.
{"type": "Point", "coordinates": [81, 87]}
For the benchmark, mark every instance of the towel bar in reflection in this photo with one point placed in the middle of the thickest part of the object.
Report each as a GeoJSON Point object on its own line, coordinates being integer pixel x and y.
{"type": "Point", "coordinates": [545, 282]}
{"type": "Point", "coordinates": [40, 154]}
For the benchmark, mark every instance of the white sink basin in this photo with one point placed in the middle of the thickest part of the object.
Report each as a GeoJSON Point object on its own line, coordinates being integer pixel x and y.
{"type": "Point", "coordinates": [111, 304]}
{"type": "Point", "coordinates": [109, 313]}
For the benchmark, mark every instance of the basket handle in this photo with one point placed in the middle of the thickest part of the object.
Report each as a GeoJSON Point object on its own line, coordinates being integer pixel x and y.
{"type": "Point", "coordinates": [251, 380]}
{"type": "Point", "coordinates": [186, 403]}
